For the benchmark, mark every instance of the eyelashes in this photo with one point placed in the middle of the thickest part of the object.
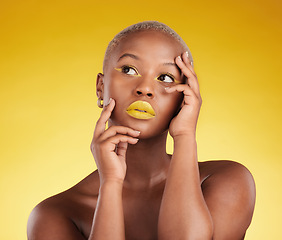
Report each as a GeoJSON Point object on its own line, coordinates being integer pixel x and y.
{"type": "Point", "coordinates": [128, 70]}
{"type": "Point", "coordinates": [132, 71]}
{"type": "Point", "coordinates": [166, 77]}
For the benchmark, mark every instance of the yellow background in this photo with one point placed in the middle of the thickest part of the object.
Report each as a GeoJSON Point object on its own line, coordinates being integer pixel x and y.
{"type": "Point", "coordinates": [51, 52]}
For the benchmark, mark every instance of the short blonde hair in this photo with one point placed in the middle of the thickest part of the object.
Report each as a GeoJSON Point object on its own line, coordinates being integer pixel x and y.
{"type": "Point", "coordinates": [143, 26]}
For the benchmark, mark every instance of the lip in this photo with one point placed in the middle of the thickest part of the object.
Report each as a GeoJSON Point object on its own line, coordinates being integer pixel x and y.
{"type": "Point", "coordinates": [141, 110]}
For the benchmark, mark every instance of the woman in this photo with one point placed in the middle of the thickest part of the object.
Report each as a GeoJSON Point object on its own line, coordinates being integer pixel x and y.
{"type": "Point", "coordinates": [149, 87]}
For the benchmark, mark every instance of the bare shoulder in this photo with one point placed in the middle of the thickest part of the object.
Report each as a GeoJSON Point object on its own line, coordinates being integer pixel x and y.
{"type": "Point", "coordinates": [223, 167]}
{"type": "Point", "coordinates": [229, 191]}
{"type": "Point", "coordinates": [67, 215]}
{"type": "Point", "coordinates": [226, 173]}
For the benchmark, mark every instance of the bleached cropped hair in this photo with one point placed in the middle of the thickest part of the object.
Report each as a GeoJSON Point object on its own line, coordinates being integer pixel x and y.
{"type": "Point", "coordinates": [141, 26]}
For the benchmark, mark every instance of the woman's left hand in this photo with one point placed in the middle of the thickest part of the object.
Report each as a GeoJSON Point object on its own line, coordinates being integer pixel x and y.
{"type": "Point", "coordinates": [185, 121]}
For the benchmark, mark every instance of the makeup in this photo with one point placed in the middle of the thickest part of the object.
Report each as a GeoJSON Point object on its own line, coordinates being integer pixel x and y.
{"type": "Point", "coordinates": [132, 71]}
{"type": "Point", "coordinates": [167, 78]}
{"type": "Point", "coordinates": [141, 110]}
{"type": "Point", "coordinates": [128, 70]}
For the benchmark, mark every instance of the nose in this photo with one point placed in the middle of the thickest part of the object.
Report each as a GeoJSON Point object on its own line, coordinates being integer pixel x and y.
{"type": "Point", "coordinates": [145, 87]}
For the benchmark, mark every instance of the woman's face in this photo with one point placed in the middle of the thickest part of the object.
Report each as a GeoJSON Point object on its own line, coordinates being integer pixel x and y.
{"type": "Point", "coordinates": [139, 69]}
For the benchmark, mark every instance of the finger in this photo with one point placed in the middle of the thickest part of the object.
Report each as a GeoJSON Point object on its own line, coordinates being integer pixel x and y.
{"type": "Point", "coordinates": [187, 91]}
{"type": "Point", "coordinates": [192, 80]}
{"type": "Point", "coordinates": [185, 65]}
{"type": "Point", "coordinates": [105, 115]}
{"type": "Point", "coordinates": [188, 63]}
{"type": "Point", "coordinates": [114, 130]}
{"type": "Point", "coordinates": [113, 141]}
{"type": "Point", "coordinates": [121, 149]}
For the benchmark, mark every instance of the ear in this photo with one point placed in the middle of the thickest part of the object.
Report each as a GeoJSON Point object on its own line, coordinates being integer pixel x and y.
{"type": "Point", "coordinates": [100, 86]}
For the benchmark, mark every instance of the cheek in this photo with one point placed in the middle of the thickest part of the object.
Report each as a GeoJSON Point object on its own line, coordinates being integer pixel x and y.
{"type": "Point", "coordinates": [175, 101]}
{"type": "Point", "coordinates": [172, 104]}
{"type": "Point", "coordinates": [113, 88]}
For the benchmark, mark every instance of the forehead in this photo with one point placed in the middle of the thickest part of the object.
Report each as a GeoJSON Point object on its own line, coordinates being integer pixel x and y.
{"type": "Point", "coordinates": [149, 43]}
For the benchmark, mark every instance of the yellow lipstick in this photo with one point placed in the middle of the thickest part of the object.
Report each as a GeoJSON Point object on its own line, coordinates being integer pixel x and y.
{"type": "Point", "coordinates": [141, 110]}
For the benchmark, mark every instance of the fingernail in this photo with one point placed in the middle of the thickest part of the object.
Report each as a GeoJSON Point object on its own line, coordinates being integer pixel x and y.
{"type": "Point", "coordinates": [166, 88]}
{"type": "Point", "coordinates": [109, 102]}
{"type": "Point", "coordinates": [179, 58]}
{"type": "Point", "coordinates": [192, 64]}
{"type": "Point", "coordinates": [137, 131]}
{"type": "Point", "coordinates": [187, 54]}
{"type": "Point", "coordinates": [137, 139]}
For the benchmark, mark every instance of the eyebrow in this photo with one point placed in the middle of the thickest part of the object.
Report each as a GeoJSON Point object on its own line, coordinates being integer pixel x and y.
{"type": "Point", "coordinates": [128, 55]}
{"type": "Point", "coordinates": [170, 64]}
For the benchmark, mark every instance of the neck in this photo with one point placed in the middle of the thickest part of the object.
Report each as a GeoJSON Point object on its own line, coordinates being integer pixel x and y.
{"type": "Point", "coordinates": [147, 163]}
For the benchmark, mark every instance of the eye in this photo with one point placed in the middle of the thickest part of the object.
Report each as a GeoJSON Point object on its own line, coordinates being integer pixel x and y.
{"type": "Point", "coordinates": [167, 78]}
{"type": "Point", "coordinates": [129, 70]}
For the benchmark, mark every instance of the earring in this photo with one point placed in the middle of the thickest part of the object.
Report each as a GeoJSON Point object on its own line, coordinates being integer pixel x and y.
{"type": "Point", "coordinates": [100, 103]}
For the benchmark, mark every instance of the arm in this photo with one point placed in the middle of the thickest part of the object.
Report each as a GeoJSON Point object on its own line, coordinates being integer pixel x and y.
{"type": "Point", "coordinates": [184, 213]}
{"type": "Point", "coordinates": [108, 222]}
{"type": "Point", "coordinates": [48, 221]}
{"type": "Point", "coordinates": [222, 207]}
{"type": "Point", "coordinates": [109, 151]}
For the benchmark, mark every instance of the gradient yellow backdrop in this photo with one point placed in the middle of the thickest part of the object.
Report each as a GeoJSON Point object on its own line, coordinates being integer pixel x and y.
{"type": "Point", "coordinates": [51, 52]}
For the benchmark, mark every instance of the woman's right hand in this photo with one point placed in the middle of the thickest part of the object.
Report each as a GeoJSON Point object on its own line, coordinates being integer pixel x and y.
{"type": "Point", "coordinates": [109, 146]}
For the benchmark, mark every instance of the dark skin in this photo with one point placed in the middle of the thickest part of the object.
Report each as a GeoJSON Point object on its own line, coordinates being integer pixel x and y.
{"type": "Point", "coordinates": [139, 191]}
